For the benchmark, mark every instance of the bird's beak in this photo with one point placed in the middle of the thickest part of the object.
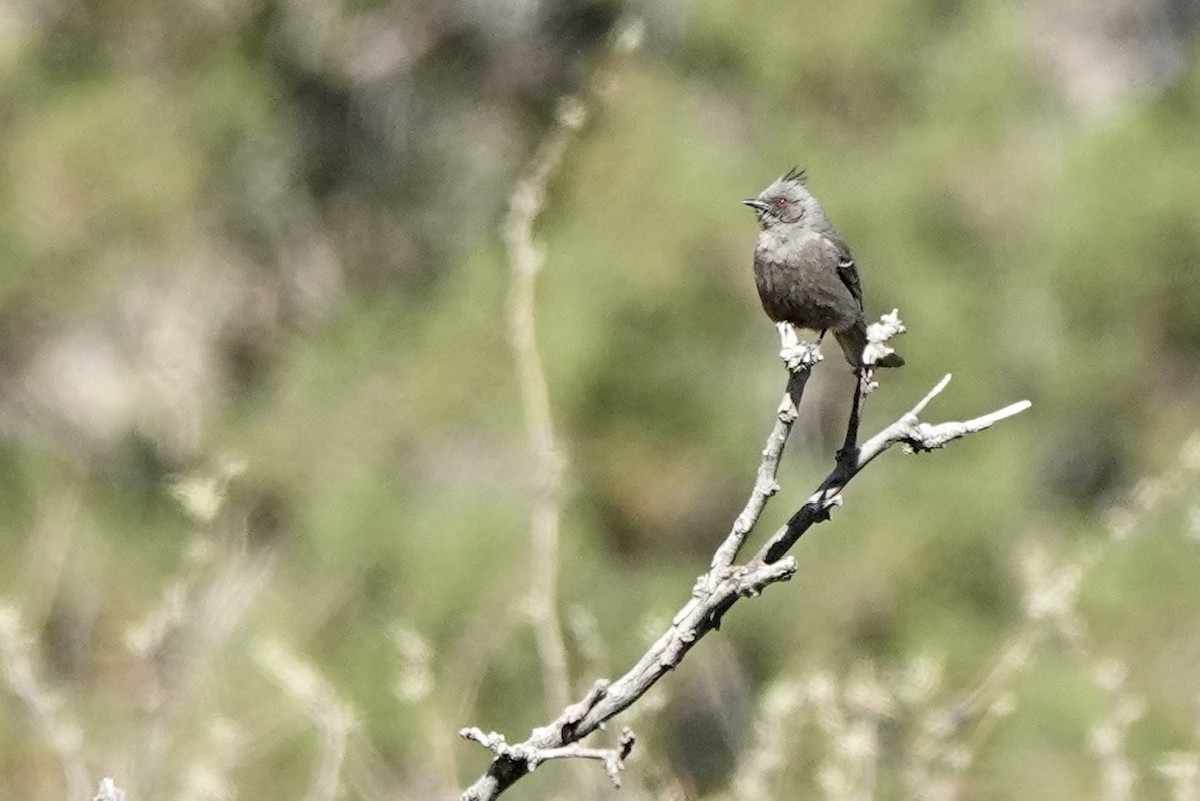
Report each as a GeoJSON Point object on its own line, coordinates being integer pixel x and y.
{"type": "Point", "coordinates": [756, 204]}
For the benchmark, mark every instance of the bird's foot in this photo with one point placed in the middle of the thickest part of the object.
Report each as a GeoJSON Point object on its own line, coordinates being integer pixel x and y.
{"type": "Point", "coordinates": [800, 356]}
{"type": "Point", "coordinates": [795, 352]}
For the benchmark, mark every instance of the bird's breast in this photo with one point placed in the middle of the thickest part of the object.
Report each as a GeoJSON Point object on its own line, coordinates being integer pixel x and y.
{"type": "Point", "coordinates": [798, 282]}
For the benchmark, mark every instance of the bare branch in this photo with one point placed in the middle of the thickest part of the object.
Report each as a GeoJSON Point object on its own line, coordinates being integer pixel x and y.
{"type": "Point", "coordinates": [716, 591]}
{"type": "Point", "coordinates": [525, 258]}
{"type": "Point", "coordinates": [916, 437]}
{"type": "Point", "coordinates": [613, 758]}
{"type": "Point", "coordinates": [765, 484]}
{"type": "Point", "coordinates": [699, 616]}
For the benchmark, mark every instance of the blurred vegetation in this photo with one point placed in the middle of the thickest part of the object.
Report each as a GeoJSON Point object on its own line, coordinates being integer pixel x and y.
{"type": "Point", "coordinates": [266, 233]}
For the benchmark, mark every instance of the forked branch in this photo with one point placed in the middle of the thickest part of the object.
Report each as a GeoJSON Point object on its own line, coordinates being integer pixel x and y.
{"type": "Point", "coordinates": [721, 587]}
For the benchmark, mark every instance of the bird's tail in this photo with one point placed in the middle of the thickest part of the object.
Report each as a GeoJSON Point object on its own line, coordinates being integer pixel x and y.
{"type": "Point", "coordinates": [853, 340]}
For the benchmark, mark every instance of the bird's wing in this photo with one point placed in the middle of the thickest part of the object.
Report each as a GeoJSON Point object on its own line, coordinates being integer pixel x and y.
{"type": "Point", "coordinates": [846, 269]}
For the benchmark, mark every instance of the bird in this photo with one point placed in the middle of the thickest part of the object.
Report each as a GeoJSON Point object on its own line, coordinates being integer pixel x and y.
{"type": "Point", "coordinates": [804, 270]}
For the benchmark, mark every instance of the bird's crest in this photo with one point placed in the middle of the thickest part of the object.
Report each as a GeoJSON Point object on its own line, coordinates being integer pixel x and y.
{"type": "Point", "coordinates": [794, 174]}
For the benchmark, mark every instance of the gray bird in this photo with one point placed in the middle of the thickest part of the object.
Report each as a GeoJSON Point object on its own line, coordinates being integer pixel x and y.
{"type": "Point", "coordinates": [804, 271]}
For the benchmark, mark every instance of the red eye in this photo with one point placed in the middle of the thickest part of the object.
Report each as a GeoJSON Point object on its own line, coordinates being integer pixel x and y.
{"type": "Point", "coordinates": [781, 202]}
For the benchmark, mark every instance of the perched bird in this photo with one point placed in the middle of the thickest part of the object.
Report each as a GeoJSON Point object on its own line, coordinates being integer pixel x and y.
{"type": "Point", "coordinates": [804, 271]}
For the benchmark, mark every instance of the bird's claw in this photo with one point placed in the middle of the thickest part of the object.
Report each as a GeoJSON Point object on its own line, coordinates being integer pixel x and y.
{"type": "Point", "coordinates": [795, 352]}
{"type": "Point", "coordinates": [800, 356]}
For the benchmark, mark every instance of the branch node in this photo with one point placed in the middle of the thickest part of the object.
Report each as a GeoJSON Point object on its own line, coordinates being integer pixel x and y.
{"type": "Point", "coordinates": [576, 712]}
{"type": "Point", "coordinates": [616, 762]}
{"type": "Point", "coordinates": [824, 505]}
{"type": "Point", "coordinates": [933, 393]}
{"type": "Point", "coordinates": [754, 578]}
{"type": "Point", "coordinates": [492, 741]}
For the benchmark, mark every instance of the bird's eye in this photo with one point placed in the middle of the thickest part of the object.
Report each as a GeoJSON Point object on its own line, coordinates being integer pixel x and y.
{"type": "Point", "coordinates": [781, 202]}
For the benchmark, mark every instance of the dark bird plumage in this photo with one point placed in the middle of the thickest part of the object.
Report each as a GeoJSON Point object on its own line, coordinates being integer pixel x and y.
{"type": "Point", "coordinates": [805, 272]}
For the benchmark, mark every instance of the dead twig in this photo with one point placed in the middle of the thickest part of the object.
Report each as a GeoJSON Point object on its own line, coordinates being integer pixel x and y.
{"type": "Point", "coordinates": [718, 589]}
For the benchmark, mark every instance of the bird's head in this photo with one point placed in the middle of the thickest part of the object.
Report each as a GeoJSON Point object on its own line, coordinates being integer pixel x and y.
{"type": "Point", "coordinates": [786, 202]}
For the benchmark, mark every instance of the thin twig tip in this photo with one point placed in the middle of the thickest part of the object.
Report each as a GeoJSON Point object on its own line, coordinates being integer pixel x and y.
{"type": "Point", "coordinates": [1014, 408]}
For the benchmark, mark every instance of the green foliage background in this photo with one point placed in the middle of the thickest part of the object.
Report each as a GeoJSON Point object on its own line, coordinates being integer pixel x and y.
{"type": "Point", "coordinates": [1035, 249]}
